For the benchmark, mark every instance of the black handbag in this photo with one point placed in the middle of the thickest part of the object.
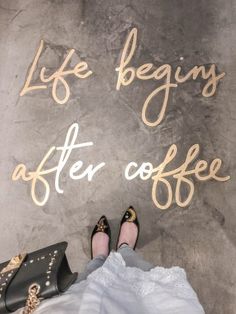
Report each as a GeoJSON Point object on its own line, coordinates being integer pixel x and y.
{"type": "Point", "coordinates": [28, 278]}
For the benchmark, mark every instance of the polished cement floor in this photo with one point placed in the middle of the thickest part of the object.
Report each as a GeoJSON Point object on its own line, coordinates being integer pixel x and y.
{"type": "Point", "coordinates": [199, 236]}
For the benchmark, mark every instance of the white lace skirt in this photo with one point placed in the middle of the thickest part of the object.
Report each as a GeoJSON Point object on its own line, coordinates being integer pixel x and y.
{"type": "Point", "coordinates": [115, 288]}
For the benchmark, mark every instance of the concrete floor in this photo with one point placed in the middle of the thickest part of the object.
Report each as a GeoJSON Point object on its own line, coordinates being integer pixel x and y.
{"type": "Point", "coordinates": [199, 237]}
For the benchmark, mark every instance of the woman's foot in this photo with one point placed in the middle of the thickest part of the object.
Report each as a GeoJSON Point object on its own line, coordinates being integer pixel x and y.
{"type": "Point", "coordinates": [100, 239]}
{"type": "Point", "coordinates": [129, 229]}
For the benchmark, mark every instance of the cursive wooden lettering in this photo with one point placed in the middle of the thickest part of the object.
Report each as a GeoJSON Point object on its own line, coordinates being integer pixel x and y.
{"type": "Point", "coordinates": [80, 70]}
{"type": "Point", "coordinates": [160, 176]}
{"type": "Point", "coordinates": [37, 176]}
{"type": "Point", "coordinates": [148, 71]}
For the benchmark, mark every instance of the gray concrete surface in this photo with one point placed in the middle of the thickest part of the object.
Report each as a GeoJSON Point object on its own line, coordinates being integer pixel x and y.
{"type": "Point", "coordinates": [201, 237]}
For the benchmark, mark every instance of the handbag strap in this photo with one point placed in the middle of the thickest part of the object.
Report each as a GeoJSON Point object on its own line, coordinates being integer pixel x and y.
{"type": "Point", "coordinates": [6, 276]}
{"type": "Point", "coordinates": [33, 300]}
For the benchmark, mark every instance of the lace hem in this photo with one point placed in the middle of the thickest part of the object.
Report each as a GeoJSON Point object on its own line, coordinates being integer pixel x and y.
{"type": "Point", "coordinates": [171, 280]}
